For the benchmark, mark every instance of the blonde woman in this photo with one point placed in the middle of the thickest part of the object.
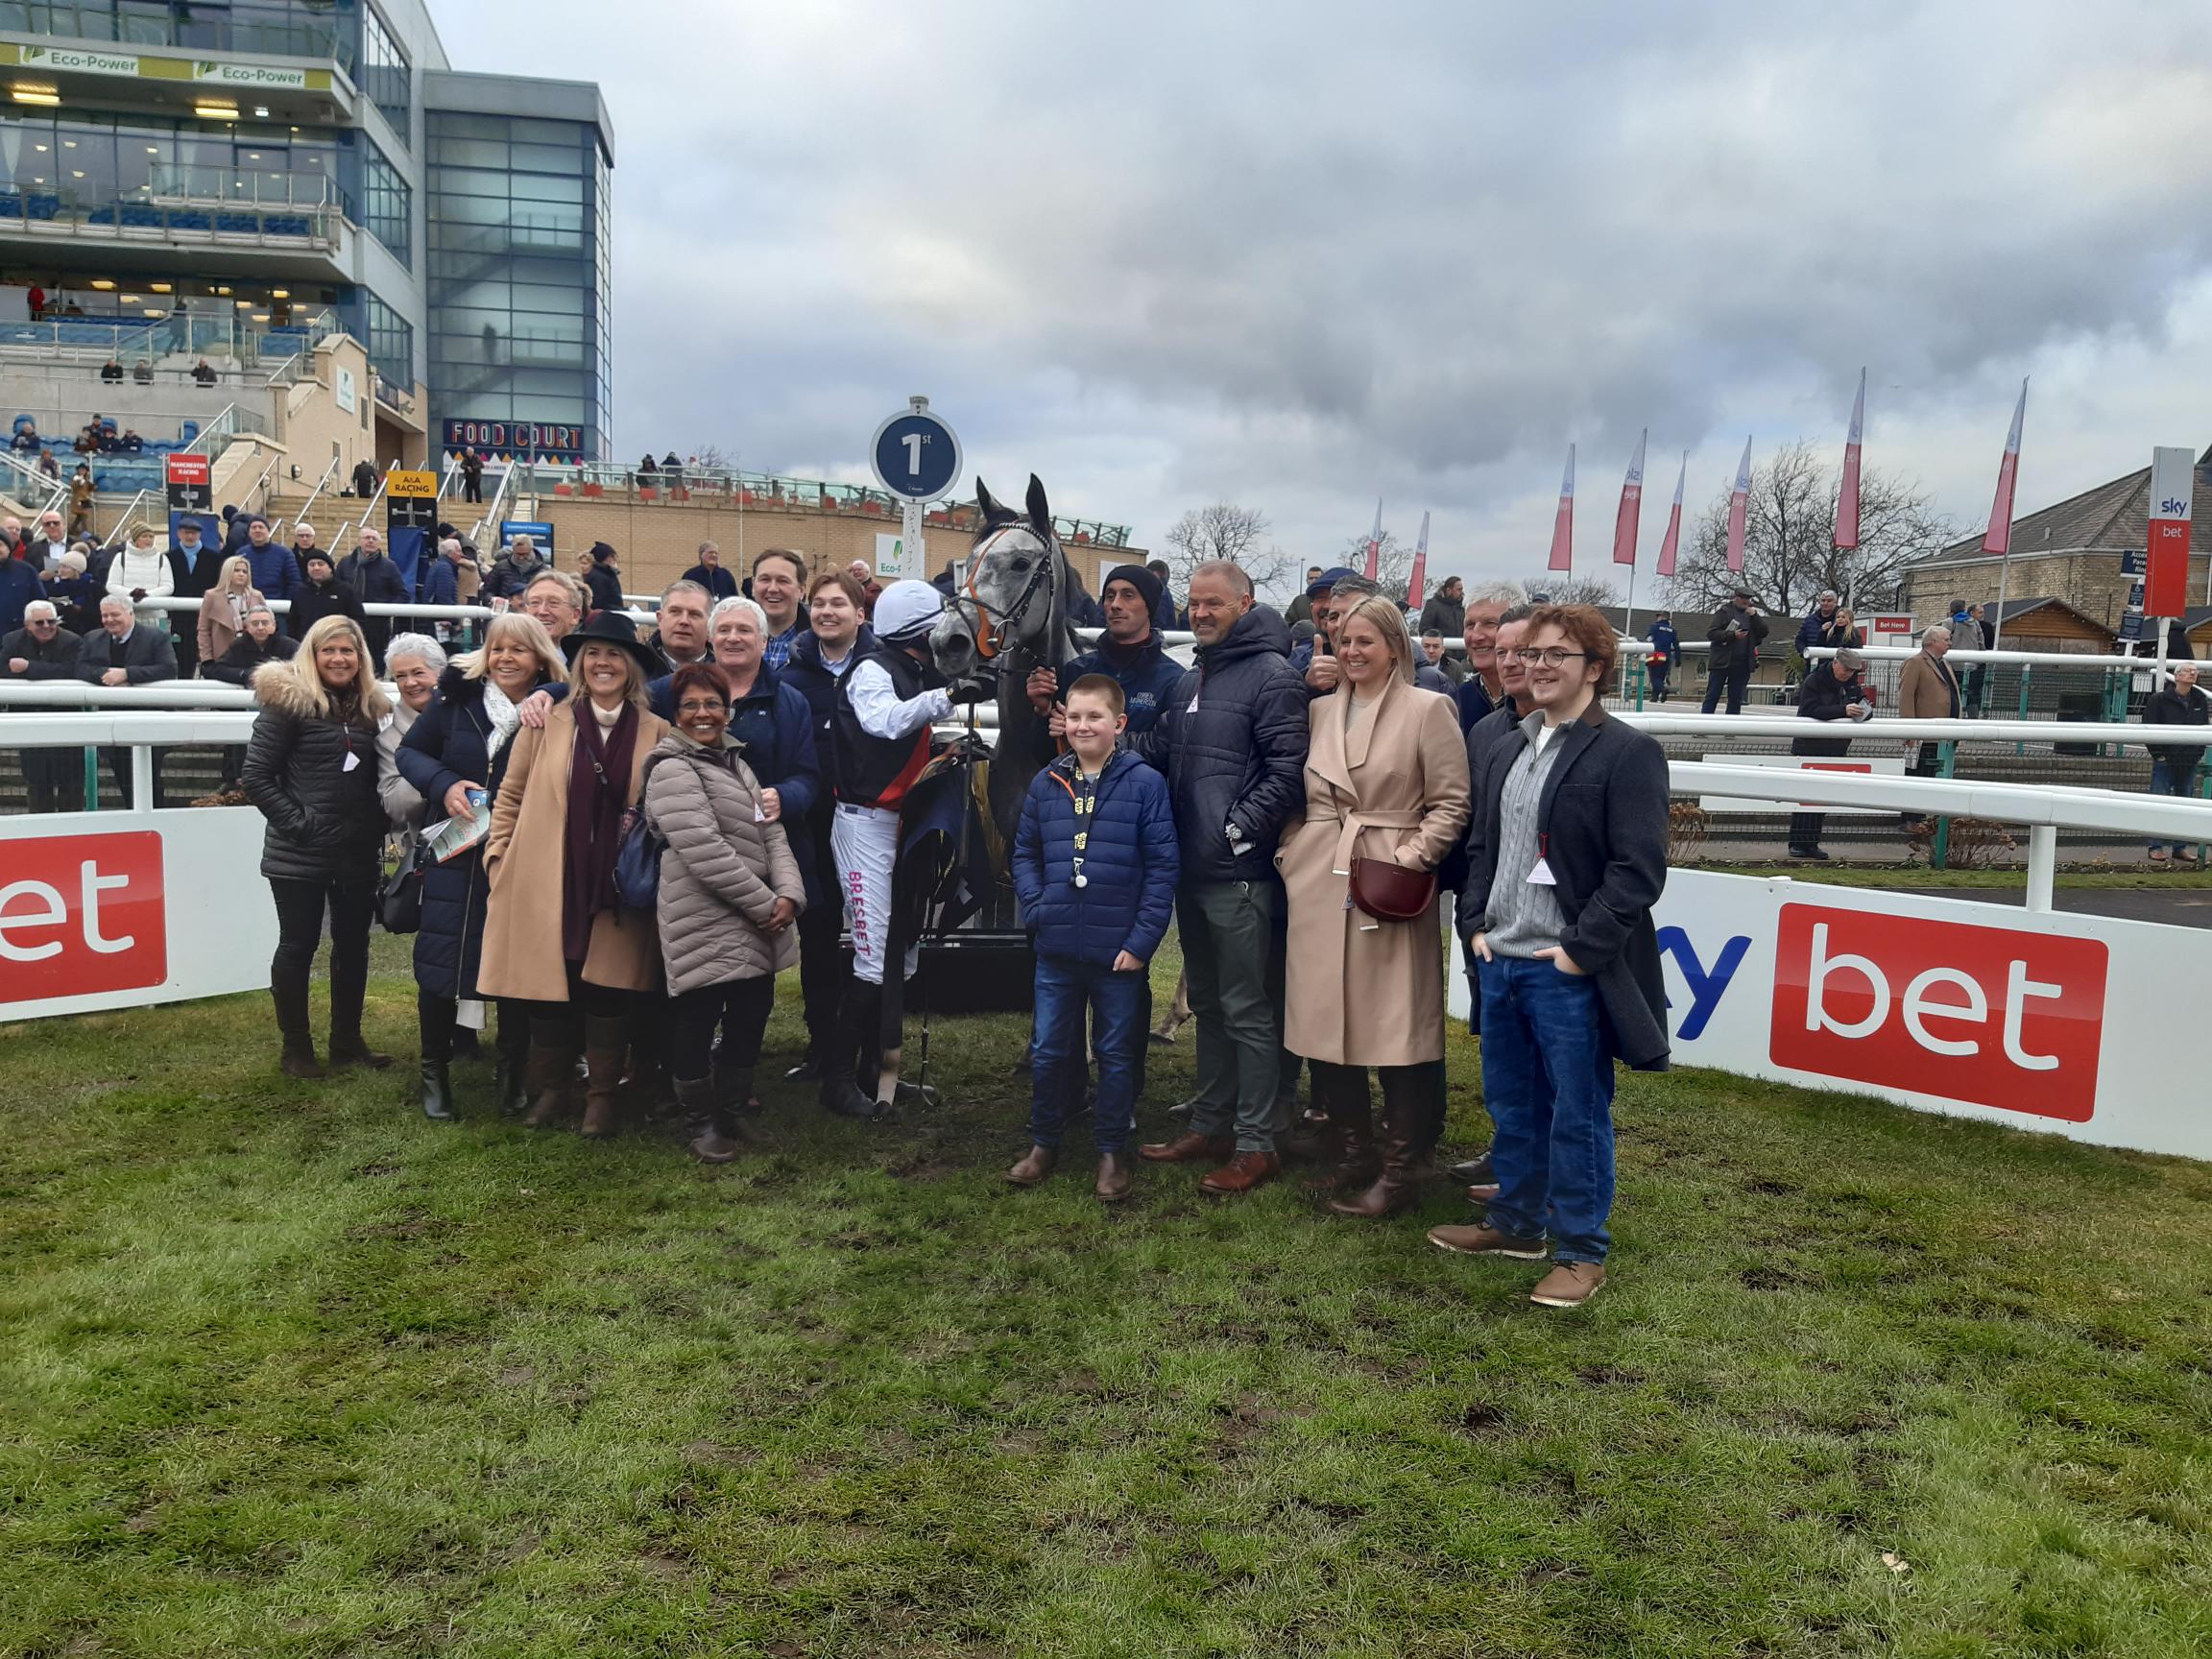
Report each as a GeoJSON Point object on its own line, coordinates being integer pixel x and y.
{"type": "Point", "coordinates": [556, 935]}
{"type": "Point", "coordinates": [224, 608]}
{"type": "Point", "coordinates": [1385, 779]}
{"type": "Point", "coordinates": [455, 749]}
{"type": "Point", "coordinates": [311, 769]}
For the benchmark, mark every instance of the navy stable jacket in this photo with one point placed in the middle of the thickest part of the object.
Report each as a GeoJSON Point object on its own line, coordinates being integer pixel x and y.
{"type": "Point", "coordinates": [1130, 862]}
{"type": "Point", "coordinates": [450, 743]}
{"type": "Point", "coordinates": [1239, 755]}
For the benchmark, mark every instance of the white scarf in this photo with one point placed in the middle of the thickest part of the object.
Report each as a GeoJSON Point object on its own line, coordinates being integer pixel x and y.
{"type": "Point", "coordinates": [499, 709]}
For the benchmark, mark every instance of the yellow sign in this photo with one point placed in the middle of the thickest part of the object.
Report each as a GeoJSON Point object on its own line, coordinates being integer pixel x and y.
{"type": "Point", "coordinates": [412, 485]}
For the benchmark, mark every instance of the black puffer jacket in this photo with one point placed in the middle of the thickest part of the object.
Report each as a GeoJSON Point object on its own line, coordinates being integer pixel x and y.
{"type": "Point", "coordinates": [325, 823]}
{"type": "Point", "coordinates": [1239, 755]}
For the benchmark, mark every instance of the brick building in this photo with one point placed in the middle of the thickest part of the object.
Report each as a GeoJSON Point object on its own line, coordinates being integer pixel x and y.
{"type": "Point", "coordinates": [2070, 551]}
{"type": "Point", "coordinates": [658, 534]}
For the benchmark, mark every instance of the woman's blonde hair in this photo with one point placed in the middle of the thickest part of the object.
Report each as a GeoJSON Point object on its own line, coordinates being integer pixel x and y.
{"type": "Point", "coordinates": [635, 691]}
{"type": "Point", "coordinates": [235, 562]}
{"type": "Point", "coordinates": [526, 630]}
{"type": "Point", "coordinates": [372, 702]}
{"type": "Point", "coordinates": [1390, 622]}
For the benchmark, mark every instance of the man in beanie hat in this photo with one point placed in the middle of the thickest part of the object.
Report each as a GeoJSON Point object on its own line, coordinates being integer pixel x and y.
{"type": "Point", "coordinates": [322, 595]}
{"type": "Point", "coordinates": [604, 577]}
{"type": "Point", "coordinates": [879, 722]}
{"type": "Point", "coordinates": [1131, 654]}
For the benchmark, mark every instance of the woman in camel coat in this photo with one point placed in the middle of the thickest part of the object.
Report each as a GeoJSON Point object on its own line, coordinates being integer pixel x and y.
{"type": "Point", "coordinates": [1385, 778]}
{"type": "Point", "coordinates": [553, 934]}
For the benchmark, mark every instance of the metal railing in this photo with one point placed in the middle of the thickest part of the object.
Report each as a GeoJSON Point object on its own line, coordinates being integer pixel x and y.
{"type": "Point", "coordinates": [199, 712]}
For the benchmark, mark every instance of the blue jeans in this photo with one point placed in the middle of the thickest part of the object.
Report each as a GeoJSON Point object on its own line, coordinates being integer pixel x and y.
{"type": "Point", "coordinates": [1119, 1002]}
{"type": "Point", "coordinates": [2171, 778]}
{"type": "Point", "coordinates": [1548, 1081]}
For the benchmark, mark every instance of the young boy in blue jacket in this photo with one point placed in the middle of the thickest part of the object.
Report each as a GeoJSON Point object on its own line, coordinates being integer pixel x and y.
{"type": "Point", "coordinates": [1094, 868]}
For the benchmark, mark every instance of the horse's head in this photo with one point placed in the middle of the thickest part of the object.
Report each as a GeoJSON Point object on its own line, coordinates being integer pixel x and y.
{"type": "Point", "coordinates": [1013, 599]}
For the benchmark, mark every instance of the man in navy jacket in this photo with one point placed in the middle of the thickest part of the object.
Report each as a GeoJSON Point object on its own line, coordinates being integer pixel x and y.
{"type": "Point", "coordinates": [1232, 744]}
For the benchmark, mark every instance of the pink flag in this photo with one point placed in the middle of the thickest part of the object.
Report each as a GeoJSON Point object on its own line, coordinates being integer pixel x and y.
{"type": "Point", "coordinates": [1673, 541]}
{"type": "Point", "coordinates": [1413, 594]}
{"type": "Point", "coordinates": [1999, 538]}
{"type": "Point", "coordinates": [1848, 498]}
{"type": "Point", "coordinates": [1739, 507]}
{"type": "Point", "coordinates": [1632, 507]}
{"type": "Point", "coordinates": [1375, 541]}
{"type": "Point", "coordinates": [1563, 527]}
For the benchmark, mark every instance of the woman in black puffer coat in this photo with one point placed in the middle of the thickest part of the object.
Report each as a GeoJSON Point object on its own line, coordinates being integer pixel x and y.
{"type": "Point", "coordinates": [311, 769]}
{"type": "Point", "coordinates": [456, 746]}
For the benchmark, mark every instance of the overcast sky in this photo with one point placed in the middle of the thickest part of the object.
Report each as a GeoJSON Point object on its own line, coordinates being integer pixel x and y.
{"type": "Point", "coordinates": [1298, 256]}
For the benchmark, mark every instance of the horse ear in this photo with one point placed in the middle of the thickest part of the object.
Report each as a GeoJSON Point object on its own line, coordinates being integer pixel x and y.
{"type": "Point", "coordinates": [1040, 510]}
{"type": "Point", "coordinates": [984, 505]}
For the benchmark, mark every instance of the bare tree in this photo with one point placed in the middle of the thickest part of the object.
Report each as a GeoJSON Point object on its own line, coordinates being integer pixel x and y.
{"type": "Point", "coordinates": [1227, 531]}
{"type": "Point", "coordinates": [1393, 565]}
{"type": "Point", "coordinates": [714, 458]}
{"type": "Point", "coordinates": [1788, 535]}
{"type": "Point", "coordinates": [1574, 590]}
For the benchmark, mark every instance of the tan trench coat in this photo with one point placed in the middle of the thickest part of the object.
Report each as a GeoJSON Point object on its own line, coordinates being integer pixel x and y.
{"type": "Point", "coordinates": [1363, 992]}
{"type": "Point", "coordinates": [523, 854]}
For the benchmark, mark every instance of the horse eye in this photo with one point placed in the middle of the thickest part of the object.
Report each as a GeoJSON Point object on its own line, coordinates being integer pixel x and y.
{"type": "Point", "coordinates": [1021, 563]}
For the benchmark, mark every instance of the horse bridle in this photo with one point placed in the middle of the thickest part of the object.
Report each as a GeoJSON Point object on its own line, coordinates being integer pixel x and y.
{"type": "Point", "coordinates": [991, 623]}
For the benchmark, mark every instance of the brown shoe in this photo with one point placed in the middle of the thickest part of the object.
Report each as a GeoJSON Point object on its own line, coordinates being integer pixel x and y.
{"type": "Point", "coordinates": [1485, 1239]}
{"type": "Point", "coordinates": [1034, 1167]}
{"type": "Point", "coordinates": [1114, 1181]}
{"type": "Point", "coordinates": [1569, 1285]}
{"type": "Point", "coordinates": [1243, 1172]}
{"type": "Point", "coordinates": [1480, 1195]}
{"type": "Point", "coordinates": [1188, 1147]}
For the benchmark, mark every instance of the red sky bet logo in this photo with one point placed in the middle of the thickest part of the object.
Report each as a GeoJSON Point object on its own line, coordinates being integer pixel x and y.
{"type": "Point", "coordinates": [81, 914]}
{"type": "Point", "coordinates": [1987, 1015]}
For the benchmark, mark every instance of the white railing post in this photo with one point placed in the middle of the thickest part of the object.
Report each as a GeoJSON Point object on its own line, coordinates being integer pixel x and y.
{"type": "Point", "coordinates": [2042, 864]}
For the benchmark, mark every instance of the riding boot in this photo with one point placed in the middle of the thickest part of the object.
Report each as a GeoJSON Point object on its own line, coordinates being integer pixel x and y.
{"type": "Point", "coordinates": [1342, 1092]}
{"type": "Point", "coordinates": [703, 1110]}
{"type": "Point", "coordinates": [547, 1072]}
{"type": "Point", "coordinates": [732, 1090]}
{"type": "Point", "coordinates": [291, 998]}
{"type": "Point", "coordinates": [857, 1021]}
{"type": "Point", "coordinates": [1406, 1102]}
{"type": "Point", "coordinates": [348, 994]}
{"type": "Point", "coordinates": [605, 1039]}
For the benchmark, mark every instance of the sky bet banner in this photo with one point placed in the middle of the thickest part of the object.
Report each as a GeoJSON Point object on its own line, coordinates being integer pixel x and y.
{"type": "Point", "coordinates": [2060, 1022]}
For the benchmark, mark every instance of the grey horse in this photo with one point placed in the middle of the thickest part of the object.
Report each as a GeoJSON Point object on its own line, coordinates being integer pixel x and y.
{"type": "Point", "coordinates": [1011, 611]}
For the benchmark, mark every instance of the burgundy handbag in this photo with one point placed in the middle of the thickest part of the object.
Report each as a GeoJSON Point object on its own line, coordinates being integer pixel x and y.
{"type": "Point", "coordinates": [1389, 892]}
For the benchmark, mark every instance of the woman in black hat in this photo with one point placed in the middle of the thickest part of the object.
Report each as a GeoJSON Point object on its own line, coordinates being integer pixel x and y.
{"type": "Point", "coordinates": [554, 933]}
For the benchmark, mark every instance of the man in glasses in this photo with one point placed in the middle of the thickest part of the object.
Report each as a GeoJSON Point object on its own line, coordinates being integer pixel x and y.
{"type": "Point", "coordinates": [49, 544]}
{"type": "Point", "coordinates": [43, 649]}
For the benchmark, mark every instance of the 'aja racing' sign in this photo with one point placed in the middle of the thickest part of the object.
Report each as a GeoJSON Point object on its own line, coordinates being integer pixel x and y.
{"type": "Point", "coordinates": [1955, 1006]}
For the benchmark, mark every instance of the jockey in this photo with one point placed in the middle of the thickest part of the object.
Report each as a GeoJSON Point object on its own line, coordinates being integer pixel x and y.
{"type": "Point", "coordinates": [879, 726]}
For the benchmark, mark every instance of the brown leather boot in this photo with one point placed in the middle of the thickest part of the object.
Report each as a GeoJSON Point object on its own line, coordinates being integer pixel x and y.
{"type": "Point", "coordinates": [1397, 1138]}
{"type": "Point", "coordinates": [1188, 1147]}
{"type": "Point", "coordinates": [1356, 1169]}
{"type": "Point", "coordinates": [1038, 1164]}
{"type": "Point", "coordinates": [604, 1043]}
{"type": "Point", "coordinates": [1243, 1172]}
{"type": "Point", "coordinates": [1115, 1180]}
{"type": "Point", "coordinates": [546, 1071]}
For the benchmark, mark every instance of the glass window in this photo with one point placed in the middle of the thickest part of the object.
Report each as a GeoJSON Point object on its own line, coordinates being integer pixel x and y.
{"type": "Point", "coordinates": [387, 204]}
{"type": "Point", "coordinates": [386, 75]}
{"type": "Point", "coordinates": [390, 344]}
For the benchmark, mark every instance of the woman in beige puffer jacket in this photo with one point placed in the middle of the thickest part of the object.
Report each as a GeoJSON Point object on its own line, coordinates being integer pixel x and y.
{"type": "Point", "coordinates": [730, 890]}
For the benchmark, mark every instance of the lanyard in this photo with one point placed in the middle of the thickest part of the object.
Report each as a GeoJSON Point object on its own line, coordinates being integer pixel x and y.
{"type": "Point", "coordinates": [1086, 800]}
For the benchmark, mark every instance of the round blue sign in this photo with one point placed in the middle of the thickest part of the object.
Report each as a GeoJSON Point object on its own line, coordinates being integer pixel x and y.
{"type": "Point", "coordinates": [916, 456]}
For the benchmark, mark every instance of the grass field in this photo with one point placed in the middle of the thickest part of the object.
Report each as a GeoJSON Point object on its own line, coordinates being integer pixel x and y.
{"type": "Point", "coordinates": [287, 1370]}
